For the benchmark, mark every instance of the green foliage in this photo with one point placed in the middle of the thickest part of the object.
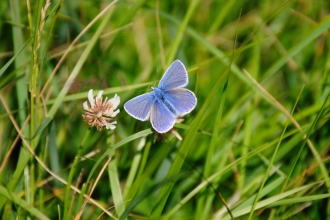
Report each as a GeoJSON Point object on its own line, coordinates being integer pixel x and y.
{"type": "Point", "coordinates": [250, 64]}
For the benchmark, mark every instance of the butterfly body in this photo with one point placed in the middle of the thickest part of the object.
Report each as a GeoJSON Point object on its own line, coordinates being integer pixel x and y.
{"type": "Point", "coordinates": [158, 93]}
{"type": "Point", "coordinates": [167, 102]}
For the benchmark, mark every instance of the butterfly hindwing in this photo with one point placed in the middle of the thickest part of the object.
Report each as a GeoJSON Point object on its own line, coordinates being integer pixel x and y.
{"type": "Point", "coordinates": [140, 106]}
{"type": "Point", "coordinates": [176, 76]}
{"type": "Point", "coordinates": [162, 119]}
{"type": "Point", "coordinates": [181, 100]}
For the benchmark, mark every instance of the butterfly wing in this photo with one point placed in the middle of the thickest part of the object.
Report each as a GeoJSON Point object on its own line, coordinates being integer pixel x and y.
{"type": "Point", "coordinates": [176, 76]}
{"type": "Point", "coordinates": [181, 100]}
{"type": "Point", "coordinates": [161, 118]}
{"type": "Point", "coordinates": [140, 106]}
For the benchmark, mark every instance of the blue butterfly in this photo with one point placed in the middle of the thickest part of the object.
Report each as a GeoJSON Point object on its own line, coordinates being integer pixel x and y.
{"type": "Point", "coordinates": [167, 102]}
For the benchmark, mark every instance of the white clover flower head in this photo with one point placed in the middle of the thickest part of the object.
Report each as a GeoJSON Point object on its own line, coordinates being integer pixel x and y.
{"type": "Point", "coordinates": [99, 113]}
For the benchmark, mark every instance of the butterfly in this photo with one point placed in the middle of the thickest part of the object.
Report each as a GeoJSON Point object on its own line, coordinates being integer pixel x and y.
{"type": "Point", "coordinates": [163, 105]}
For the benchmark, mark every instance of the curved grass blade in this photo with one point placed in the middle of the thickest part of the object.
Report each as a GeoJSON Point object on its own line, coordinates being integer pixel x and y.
{"type": "Point", "coordinates": [114, 181]}
{"type": "Point", "coordinates": [179, 35]}
{"type": "Point", "coordinates": [153, 163]}
{"type": "Point", "coordinates": [323, 169]}
{"type": "Point", "coordinates": [21, 203]}
{"type": "Point", "coordinates": [119, 144]}
{"type": "Point", "coordinates": [310, 36]}
{"type": "Point", "coordinates": [5, 67]}
{"type": "Point", "coordinates": [10, 78]}
{"type": "Point", "coordinates": [224, 170]}
{"type": "Point", "coordinates": [269, 188]}
{"type": "Point", "coordinates": [269, 201]}
{"type": "Point", "coordinates": [79, 65]}
{"type": "Point", "coordinates": [300, 200]}
{"type": "Point", "coordinates": [184, 148]}
{"type": "Point", "coordinates": [41, 127]}
{"type": "Point", "coordinates": [214, 140]}
{"type": "Point", "coordinates": [149, 192]}
{"type": "Point", "coordinates": [73, 75]}
{"type": "Point", "coordinates": [273, 158]}
{"type": "Point", "coordinates": [112, 90]}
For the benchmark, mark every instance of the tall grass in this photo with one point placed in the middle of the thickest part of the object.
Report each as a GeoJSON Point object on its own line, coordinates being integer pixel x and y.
{"type": "Point", "coordinates": [255, 147]}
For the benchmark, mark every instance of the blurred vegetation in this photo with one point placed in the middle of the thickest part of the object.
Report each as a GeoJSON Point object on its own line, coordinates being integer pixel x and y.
{"type": "Point", "coordinates": [259, 135]}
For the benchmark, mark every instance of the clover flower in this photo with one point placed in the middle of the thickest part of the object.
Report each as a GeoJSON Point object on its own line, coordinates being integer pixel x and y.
{"type": "Point", "coordinates": [99, 113]}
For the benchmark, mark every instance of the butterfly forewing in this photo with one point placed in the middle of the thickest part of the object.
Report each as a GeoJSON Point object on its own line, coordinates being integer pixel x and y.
{"type": "Point", "coordinates": [176, 76]}
{"type": "Point", "coordinates": [181, 100]}
{"type": "Point", "coordinates": [140, 106]}
{"type": "Point", "coordinates": [162, 119]}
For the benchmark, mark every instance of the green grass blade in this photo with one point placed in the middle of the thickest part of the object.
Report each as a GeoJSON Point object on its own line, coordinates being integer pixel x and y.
{"type": "Point", "coordinates": [79, 65]}
{"type": "Point", "coordinates": [73, 170]}
{"type": "Point", "coordinates": [226, 169]}
{"type": "Point", "coordinates": [21, 88]}
{"type": "Point", "coordinates": [21, 203]}
{"type": "Point", "coordinates": [135, 165]}
{"type": "Point", "coordinates": [23, 158]}
{"type": "Point", "coordinates": [58, 101]}
{"type": "Point", "coordinates": [221, 16]}
{"type": "Point", "coordinates": [148, 192]}
{"type": "Point", "coordinates": [300, 200]}
{"type": "Point", "coordinates": [115, 187]}
{"type": "Point", "coordinates": [265, 191]}
{"type": "Point", "coordinates": [306, 139]}
{"type": "Point", "coordinates": [117, 145]}
{"type": "Point", "coordinates": [5, 67]}
{"type": "Point", "coordinates": [150, 169]}
{"type": "Point", "coordinates": [269, 201]}
{"type": "Point", "coordinates": [108, 91]}
{"type": "Point", "coordinates": [10, 78]}
{"type": "Point", "coordinates": [272, 160]}
{"type": "Point", "coordinates": [128, 17]}
{"type": "Point", "coordinates": [114, 180]}
{"type": "Point", "coordinates": [179, 35]}
{"type": "Point", "coordinates": [53, 151]}
{"type": "Point", "coordinates": [81, 198]}
{"type": "Point", "coordinates": [310, 36]}
{"type": "Point", "coordinates": [18, 41]}
{"type": "Point", "coordinates": [214, 142]}
{"type": "Point", "coordinates": [184, 148]}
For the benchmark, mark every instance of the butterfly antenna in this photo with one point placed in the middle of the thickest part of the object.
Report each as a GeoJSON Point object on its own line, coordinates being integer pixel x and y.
{"type": "Point", "coordinates": [208, 183]}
